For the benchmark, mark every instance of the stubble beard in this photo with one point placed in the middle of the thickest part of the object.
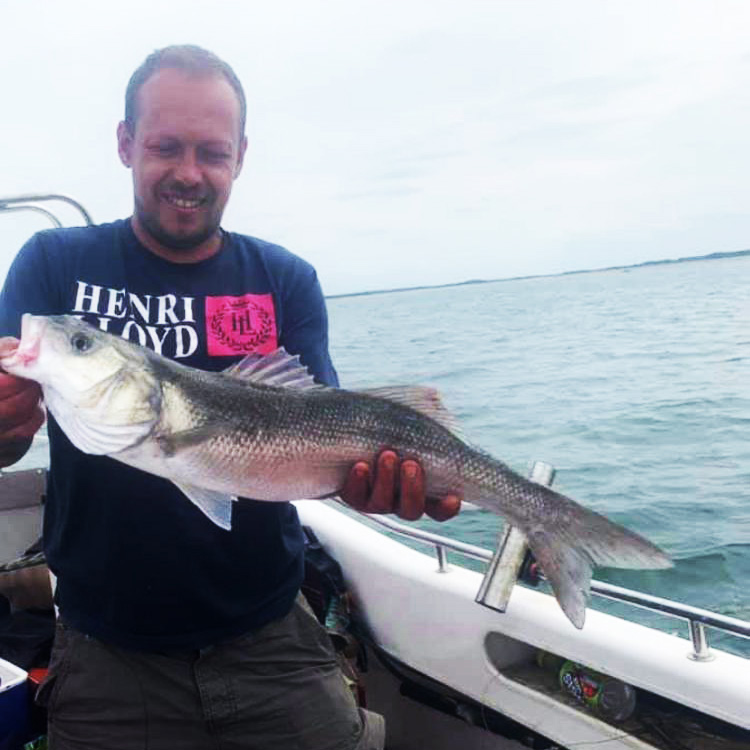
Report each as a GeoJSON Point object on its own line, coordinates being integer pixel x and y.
{"type": "Point", "coordinates": [153, 227]}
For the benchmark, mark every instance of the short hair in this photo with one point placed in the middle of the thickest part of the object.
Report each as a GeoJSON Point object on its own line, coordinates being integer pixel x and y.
{"type": "Point", "coordinates": [190, 59]}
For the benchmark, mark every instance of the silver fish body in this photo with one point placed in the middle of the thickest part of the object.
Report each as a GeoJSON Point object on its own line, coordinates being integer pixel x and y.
{"type": "Point", "coordinates": [265, 430]}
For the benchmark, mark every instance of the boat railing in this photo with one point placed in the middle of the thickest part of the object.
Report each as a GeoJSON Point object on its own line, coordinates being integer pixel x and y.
{"type": "Point", "coordinates": [505, 562]}
{"type": "Point", "coordinates": [28, 203]}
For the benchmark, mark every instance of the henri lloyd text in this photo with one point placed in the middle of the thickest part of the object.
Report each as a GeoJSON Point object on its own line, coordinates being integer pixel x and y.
{"type": "Point", "coordinates": [164, 323]}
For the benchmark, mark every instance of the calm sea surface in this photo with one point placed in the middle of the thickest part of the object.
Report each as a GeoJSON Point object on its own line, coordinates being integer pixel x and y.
{"type": "Point", "coordinates": [634, 384]}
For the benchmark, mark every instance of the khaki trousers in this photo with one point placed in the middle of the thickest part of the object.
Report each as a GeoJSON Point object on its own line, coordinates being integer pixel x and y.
{"type": "Point", "coordinates": [278, 687]}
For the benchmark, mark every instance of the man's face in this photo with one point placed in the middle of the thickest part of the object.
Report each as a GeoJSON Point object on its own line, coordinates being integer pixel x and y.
{"type": "Point", "coordinates": [185, 153]}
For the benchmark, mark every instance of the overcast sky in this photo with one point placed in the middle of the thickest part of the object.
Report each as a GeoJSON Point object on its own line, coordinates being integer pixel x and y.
{"type": "Point", "coordinates": [398, 143]}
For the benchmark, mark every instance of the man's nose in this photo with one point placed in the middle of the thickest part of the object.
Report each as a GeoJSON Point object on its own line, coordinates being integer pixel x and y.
{"type": "Point", "coordinates": [187, 169]}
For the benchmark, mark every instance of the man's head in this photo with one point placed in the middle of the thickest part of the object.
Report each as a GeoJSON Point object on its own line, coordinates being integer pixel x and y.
{"type": "Point", "coordinates": [189, 59]}
{"type": "Point", "coordinates": [183, 137]}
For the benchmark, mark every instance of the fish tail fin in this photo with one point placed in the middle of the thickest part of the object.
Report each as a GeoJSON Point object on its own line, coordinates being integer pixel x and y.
{"type": "Point", "coordinates": [576, 541]}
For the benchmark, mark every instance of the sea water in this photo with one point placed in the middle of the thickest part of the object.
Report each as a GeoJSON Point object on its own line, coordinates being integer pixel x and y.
{"type": "Point", "coordinates": [633, 383]}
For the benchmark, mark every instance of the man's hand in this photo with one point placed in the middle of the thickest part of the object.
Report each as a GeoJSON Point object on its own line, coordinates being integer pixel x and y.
{"type": "Point", "coordinates": [398, 487]}
{"type": "Point", "coordinates": [21, 412]}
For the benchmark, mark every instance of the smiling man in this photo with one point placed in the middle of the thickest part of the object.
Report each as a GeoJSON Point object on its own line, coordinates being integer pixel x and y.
{"type": "Point", "coordinates": [174, 632]}
{"type": "Point", "coordinates": [183, 137]}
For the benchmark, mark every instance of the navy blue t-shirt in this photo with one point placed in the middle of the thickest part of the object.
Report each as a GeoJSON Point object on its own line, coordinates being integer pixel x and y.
{"type": "Point", "coordinates": [138, 564]}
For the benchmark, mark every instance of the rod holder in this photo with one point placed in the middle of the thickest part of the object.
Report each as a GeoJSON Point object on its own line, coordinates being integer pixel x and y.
{"type": "Point", "coordinates": [502, 571]}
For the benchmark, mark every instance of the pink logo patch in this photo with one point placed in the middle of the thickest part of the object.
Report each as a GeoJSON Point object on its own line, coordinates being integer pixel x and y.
{"type": "Point", "coordinates": [240, 325]}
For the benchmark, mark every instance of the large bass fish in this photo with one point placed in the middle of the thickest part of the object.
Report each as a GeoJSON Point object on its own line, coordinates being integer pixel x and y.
{"type": "Point", "coordinates": [264, 429]}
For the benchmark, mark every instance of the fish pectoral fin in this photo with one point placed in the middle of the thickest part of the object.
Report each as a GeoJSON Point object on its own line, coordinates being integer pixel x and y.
{"type": "Point", "coordinates": [172, 443]}
{"type": "Point", "coordinates": [278, 368]}
{"type": "Point", "coordinates": [216, 505]}
{"type": "Point", "coordinates": [421, 398]}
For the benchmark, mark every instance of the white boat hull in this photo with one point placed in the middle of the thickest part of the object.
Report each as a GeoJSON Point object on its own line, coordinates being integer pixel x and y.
{"type": "Point", "coordinates": [429, 620]}
{"type": "Point", "coordinates": [428, 624]}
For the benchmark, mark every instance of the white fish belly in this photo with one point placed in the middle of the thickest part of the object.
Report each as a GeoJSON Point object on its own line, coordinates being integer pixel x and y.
{"type": "Point", "coordinates": [274, 475]}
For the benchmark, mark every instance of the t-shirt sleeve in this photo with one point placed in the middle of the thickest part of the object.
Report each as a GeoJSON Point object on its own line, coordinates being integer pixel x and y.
{"type": "Point", "coordinates": [28, 287]}
{"type": "Point", "coordinates": [305, 329]}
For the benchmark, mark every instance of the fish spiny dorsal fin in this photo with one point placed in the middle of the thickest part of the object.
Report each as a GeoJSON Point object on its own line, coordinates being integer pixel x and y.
{"type": "Point", "coordinates": [278, 368]}
{"type": "Point", "coordinates": [423, 399]}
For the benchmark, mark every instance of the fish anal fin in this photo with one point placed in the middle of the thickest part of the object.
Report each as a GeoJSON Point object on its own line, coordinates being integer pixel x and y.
{"type": "Point", "coordinates": [423, 399]}
{"type": "Point", "coordinates": [216, 505]}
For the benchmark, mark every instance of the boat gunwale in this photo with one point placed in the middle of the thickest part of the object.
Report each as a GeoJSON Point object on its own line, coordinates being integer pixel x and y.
{"type": "Point", "coordinates": [725, 623]}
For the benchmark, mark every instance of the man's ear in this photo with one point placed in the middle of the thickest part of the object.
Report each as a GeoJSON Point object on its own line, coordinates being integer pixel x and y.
{"type": "Point", "coordinates": [125, 143]}
{"type": "Point", "coordinates": [240, 157]}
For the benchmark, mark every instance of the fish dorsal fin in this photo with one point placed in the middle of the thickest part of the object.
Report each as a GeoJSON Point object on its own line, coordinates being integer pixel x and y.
{"type": "Point", "coordinates": [423, 399]}
{"type": "Point", "coordinates": [216, 505]}
{"type": "Point", "coordinates": [278, 368]}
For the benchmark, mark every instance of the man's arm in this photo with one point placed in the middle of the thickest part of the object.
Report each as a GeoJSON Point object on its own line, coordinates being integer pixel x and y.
{"type": "Point", "coordinates": [21, 413]}
{"type": "Point", "coordinates": [26, 289]}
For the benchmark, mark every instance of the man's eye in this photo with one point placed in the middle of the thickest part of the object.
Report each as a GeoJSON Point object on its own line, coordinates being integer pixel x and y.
{"type": "Point", "coordinates": [215, 156]}
{"type": "Point", "coordinates": [165, 149]}
{"type": "Point", "coordinates": [81, 342]}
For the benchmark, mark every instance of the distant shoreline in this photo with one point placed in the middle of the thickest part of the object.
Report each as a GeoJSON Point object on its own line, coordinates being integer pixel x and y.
{"type": "Point", "coordinates": [710, 256]}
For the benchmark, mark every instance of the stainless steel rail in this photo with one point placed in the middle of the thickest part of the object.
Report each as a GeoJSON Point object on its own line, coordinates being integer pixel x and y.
{"type": "Point", "coordinates": [38, 209]}
{"type": "Point", "coordinates": [698, 619]}
{"type": "Point", "coordinates": [25, 202]}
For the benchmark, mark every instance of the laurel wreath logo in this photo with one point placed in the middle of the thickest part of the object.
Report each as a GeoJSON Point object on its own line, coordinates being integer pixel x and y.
{"type": "Point", "coordinates": [248, 341]}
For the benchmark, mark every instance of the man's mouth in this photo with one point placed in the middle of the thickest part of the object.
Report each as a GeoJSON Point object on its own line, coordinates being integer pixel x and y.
{"type": "Point", "coordinates": [185, 204]}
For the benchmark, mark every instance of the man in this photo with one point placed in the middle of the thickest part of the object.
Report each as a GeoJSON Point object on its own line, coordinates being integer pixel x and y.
{"type": "Point", "coordinates": [174, 632]}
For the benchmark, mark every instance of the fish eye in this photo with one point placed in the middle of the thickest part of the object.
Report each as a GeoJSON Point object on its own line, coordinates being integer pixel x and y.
{"type": "Point", "coordinates": [81, 342]}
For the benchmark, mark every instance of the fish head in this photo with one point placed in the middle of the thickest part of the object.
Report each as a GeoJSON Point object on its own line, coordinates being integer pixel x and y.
{"type": "Point", "coordinates": [98, 387]}
{"type": "Point", "coordinates": [66, 354]}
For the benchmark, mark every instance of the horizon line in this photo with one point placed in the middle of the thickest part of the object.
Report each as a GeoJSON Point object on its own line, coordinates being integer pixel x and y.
{"type": "Point", "coordinates": [687, 259]}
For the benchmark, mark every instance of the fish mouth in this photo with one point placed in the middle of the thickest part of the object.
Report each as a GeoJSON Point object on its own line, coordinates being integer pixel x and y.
{"type": "Point", "coordinates": [27, 352]}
